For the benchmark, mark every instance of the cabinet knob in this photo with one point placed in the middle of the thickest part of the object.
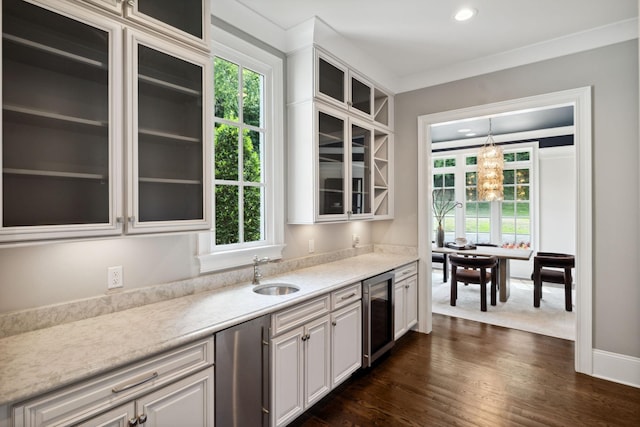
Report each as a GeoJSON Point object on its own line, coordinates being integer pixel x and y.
{"type": "Point", "coordinates": [133, 421]}
{"type": "Point", "coordinates": [406, 286]}
{"type": "Point", "coordinates": [334, 323]}
{"type": "Point", "coordinates": [142, 418]}
{"type": "Point", "coordinates": [131, 3]}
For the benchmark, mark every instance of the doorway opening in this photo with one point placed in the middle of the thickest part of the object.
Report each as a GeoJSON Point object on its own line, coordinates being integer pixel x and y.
{"type": "Point", "coordinates": [580, 100]}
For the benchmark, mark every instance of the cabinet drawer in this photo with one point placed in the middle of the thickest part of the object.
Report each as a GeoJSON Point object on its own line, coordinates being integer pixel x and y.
{"type": "Point", "coordinates": [406, 271]}
{"type": "Point", "coordinates": [295, 316]}
{"type": "Point", "coordinates": [346, 296]}
{"type": "Point", "coordinates": [74, 403]}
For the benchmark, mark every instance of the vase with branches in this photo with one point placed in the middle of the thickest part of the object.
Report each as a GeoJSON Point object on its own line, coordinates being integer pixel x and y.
{"type": "Point", "coordinates": [443, 203]}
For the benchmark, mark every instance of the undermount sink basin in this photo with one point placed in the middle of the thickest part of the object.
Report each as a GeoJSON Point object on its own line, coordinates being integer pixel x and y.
{"type": "Point", "coordinates": [276, 289]}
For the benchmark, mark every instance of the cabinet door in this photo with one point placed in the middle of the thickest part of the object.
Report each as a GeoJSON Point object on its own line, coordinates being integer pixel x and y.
{"type": "Point", "coordinates": [331, 80]}
{"type": "Point", "coordinates": [346, 342]}
{"type": "Point", "coordinates": [187, 20]}
{"type": "Point", "coordinates": [361, 95]}
{"type": "Point", "coordinates": [168, 155]}
{"type": "Point", "coordinates": [317, 359]}
{"type": "Point", "coordinates": [360, 153]}
{"type": "Point", "coordinates": [287, 377]}
{"type": "Point", "coordinates": [60, 126]}
{"type": "Point", "coordinates": [332, 165]}
{"type": "Point", "coordinates": [122, 416]}
{"type": "Point", "coordinates": [399, 309]}
{"type": "Point", "coordinates": [411, 301]}
{"type": "Point", "coordinates": [188, 402]}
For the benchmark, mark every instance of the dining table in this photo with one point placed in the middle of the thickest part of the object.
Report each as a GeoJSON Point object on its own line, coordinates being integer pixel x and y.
{"type": "Point", "coordinates": [502, 254]}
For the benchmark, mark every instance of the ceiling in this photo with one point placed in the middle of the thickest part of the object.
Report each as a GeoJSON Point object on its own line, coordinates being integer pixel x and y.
{"type": "Point", "coordinates": [411, 37]}
{"type": "Point", "coordinates": [504, 124]}
{"type": "Point", "coordinates": [420, 44]}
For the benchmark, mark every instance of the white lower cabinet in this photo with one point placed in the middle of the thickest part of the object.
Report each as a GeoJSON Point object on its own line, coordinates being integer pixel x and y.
{"type": "Point", "coordinates": [188, 402]}
{"type": "Point", "coordinates": [315, 346]}
{"type": "Point", "coordinates": [171, 389]}
{"type": "Point", "coordinates": [301, 369]}
{"type": "Point", "coordinates": [405, 299]}
{"type": "Point", "coordinates": [346, 342]}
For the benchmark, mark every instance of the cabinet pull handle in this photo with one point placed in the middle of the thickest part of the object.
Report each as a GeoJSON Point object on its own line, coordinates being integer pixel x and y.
{"type": "Point", "coordinates": [136, 382]}
{"type": "Point", "coordinates": [132, 219]}
{"type": "Point", "coordinates": [131, 3]}
{"type": "Point", "coordinates": [265, 410]}
{"type": "Point", "coordinates": [142, 418]}
{"type": "Point", "coordinates": [353, 294]}
{"type": "Point", "coordinates": [133, 421]}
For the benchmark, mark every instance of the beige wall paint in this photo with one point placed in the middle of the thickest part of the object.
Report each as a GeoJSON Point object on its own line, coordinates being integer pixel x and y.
{"type": "Point", "coordinates": [613, 73]}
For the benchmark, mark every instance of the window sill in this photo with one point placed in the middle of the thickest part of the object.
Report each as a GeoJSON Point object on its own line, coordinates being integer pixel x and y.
{"type": "Point", "coordinates": [217, 261]}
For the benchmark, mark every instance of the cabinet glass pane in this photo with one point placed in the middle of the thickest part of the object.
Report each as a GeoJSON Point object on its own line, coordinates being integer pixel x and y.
{"type": "Point", "coordinates": [331, 151]}
{"type": "Point", "coordinates": [185, 15]}
{"type": "Point", "coordinates": [360, 96]}
{"type": "Point", "coordinates": [330, 80]}
{"type": "Point", "coordinates": [170, 142]}
{"type": "Point", "coordinates": [55, 119]}
{"type": "Point", "coordinates": [360, 170]}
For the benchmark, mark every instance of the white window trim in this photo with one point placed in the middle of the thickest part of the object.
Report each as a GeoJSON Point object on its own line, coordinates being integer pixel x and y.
{"type": "Point", "coordinates": [210, 257]}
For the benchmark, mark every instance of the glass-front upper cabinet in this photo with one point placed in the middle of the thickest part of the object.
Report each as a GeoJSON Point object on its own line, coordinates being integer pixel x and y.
{"type": "Point", "coordinates": [167, 134]}
{"type": "Point", "coordinates": [361, 156]}
{"type": "Point", "coordinates": [332, 160]}
{"type": "Point", "coordinates": [184, 19]}
{"type": "Point", "coordinates": [345, 173]}
{"type": "Point", "coordinates": [337, 84]}
{"type": "Point", "coordinates": [60, 126]}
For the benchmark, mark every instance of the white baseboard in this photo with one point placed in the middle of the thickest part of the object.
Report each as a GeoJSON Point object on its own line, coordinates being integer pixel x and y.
{"type": "Point", "coordinates": [616, 367]}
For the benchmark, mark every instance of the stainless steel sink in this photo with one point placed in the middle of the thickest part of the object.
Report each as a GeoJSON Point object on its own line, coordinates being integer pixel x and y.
{"type": "Point", "coordinates": [276, 289]}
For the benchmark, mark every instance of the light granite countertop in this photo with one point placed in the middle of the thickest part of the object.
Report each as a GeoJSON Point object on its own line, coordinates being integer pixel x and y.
{"type": "Point", "coordinates": [35, 362]}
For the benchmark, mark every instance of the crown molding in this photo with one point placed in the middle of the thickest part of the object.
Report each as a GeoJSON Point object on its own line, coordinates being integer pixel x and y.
{"type": "Point", "coordinates": [578, 42]}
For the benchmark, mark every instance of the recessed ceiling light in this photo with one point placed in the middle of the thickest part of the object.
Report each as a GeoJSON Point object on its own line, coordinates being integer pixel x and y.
{"type": "Point", "coordinates": [464, 130]}
{"type": "Point", "coordinates": [471, 134]}
{"type": "Point", "coordinates": [465, 14]}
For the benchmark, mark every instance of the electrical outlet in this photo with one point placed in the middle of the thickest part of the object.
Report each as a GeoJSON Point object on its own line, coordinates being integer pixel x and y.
{"type": "Point", "coordinates": [355, 240]}
{"type": "Point", "coordinates": [312, 246]}
{"type": "Point", "coordinates": [114, 277]}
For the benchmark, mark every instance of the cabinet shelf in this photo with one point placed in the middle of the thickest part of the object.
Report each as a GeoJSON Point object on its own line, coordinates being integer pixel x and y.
{"type": "Point", "coordinates": [170, 181]}
{"type": "Point", "coordinates": [164, 84]}
{"type": "Point", "coordinates": [35, 114]}
{"type": "Point", "coordinates": [169, 136]}
{"type": "Point", "coordinates": [54, 174]}
{"type": "Point", "coordinates": [54, 51]}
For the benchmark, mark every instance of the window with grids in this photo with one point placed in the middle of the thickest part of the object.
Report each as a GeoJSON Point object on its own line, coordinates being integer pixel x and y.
{"type": "Point", "coordinates": [477, 214]}
{"type": "Point", "coordinates": [239, 138]}
{"type": "Point", "coordinates": [444, 181]}
{"type": "Point", "coordinates": [516, 208]}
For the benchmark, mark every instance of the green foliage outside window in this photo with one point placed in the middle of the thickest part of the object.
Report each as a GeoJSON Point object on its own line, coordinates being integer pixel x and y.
{"type": "Point", "coordinates": [227, 145]}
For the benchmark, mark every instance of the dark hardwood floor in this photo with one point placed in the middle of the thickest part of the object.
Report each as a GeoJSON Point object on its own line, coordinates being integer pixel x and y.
{"type": "Point", "coordinates": [467, 373]}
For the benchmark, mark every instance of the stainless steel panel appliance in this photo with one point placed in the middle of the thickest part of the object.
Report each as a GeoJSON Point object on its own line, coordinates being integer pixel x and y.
{"type": "Point", "coordinates": [242, 374]}
{"type": "Point", "coordinates": [377, 322]}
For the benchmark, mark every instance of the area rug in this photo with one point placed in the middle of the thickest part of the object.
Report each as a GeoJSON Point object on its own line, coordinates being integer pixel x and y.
{"type": "Point", "coordinates": [517, 313]}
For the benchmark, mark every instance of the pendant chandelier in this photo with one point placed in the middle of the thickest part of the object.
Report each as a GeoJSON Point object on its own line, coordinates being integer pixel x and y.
{"type": "Point", "coordinates": [490, 168]}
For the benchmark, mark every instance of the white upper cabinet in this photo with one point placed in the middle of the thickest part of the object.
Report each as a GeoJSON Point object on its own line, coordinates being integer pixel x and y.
{"type": "Point", "coordinates": [65, 97]}
{"type": "Point", "coordinates": [61, 123]}
{"type": "Point", "coordinates": [167, 133]}
{"type": "Point", "coordinates": [340, 142]}
{"type": "Point", "coordinates": [185, 20]}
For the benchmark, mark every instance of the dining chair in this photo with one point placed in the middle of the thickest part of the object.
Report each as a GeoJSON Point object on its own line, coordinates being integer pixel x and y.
{"type": "Point", "coordinates": [477, 270]}
{"type": "Point", "coordinates": [441, 258]}
{"type": "Point", "coordinates": [552, 267]}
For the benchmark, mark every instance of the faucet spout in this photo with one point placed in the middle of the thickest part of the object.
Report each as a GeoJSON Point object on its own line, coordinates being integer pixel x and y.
{"type": "Point", "coordinates": [256, 268]}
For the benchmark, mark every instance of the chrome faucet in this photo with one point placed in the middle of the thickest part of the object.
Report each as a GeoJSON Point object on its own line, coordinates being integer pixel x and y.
{"type": "Point", "coordinates": [256, 268]}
